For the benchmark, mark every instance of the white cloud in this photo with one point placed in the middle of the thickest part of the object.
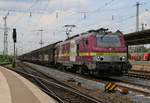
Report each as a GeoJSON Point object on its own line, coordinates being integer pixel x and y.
{"type": "Point", "coordinates": [13, 5]}
{"type": "Point", "coordinates": [43, 16]}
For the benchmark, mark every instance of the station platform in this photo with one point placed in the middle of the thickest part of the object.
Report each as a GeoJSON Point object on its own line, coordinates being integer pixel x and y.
{"type": "Point", "coordinates": [16, 89]}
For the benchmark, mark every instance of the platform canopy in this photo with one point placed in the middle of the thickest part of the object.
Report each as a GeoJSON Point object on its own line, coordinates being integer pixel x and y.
{"type": "Point", "coordinates": [138, 38]}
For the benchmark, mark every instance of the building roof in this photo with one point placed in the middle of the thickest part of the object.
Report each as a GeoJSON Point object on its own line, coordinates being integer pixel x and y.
{"type": "Point", "coordinates": [138, 38]}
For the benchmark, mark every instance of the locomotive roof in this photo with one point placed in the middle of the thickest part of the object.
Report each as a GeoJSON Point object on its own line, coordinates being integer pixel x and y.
{"type": "Point", "coordinates": [72, 37]}
{"type": "Point", "coordinates": [100, 31]}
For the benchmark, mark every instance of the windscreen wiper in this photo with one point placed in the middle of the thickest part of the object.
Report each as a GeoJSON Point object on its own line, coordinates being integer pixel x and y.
{"type": "Point", "coordinates": [102, 31]}
{"type": "Point", "coordinates": [104, 35]}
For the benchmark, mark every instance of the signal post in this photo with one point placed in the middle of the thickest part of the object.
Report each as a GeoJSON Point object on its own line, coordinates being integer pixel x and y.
{"type": "Point", "coordinates": [14, 40]}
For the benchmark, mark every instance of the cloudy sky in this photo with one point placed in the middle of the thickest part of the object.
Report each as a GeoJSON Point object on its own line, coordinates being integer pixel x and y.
{"type": "Point", "coordinates": [30, 16]}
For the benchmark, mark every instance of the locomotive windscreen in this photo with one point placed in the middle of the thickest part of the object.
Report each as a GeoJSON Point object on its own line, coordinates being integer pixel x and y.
{"type": "Point", "coordinates": [108, 41]}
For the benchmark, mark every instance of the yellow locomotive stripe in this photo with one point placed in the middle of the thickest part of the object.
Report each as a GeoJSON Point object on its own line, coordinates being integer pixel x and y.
{"type": "Point", "coordinates": [101, 54]}
{"type": "Point", "coordinates": [93, 54]}
{"type": "Point", "coordinates": [84, 54]}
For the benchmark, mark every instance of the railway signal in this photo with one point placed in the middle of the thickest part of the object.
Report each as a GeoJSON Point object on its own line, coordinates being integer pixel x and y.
{"type": "Point", "coordinates": [14, 35]}
{"type": "Point", "coordinates": [15, 40]}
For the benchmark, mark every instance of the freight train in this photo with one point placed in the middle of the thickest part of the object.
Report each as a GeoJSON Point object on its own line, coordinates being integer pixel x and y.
{"type": "Point", "coordinates": [97, 52]}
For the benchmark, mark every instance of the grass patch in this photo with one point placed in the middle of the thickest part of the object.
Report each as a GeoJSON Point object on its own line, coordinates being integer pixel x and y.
{"type": "Point", "coordinates": [5, 59]}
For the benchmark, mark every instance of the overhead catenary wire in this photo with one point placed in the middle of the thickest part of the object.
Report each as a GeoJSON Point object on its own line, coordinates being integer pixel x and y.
{"type": "Point", "coordinates": [98, 10]}
{"type": "Point", "coordinates": [19, 18]}
{"type": "Point", "coordinates": [102, 7]}
{"type": "Point", "coordinates": [105, 5]}
{"type": "Point", "coordinates": [119, 21]}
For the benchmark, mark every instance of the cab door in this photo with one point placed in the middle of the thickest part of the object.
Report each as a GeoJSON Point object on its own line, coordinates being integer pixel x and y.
{"type": "Point", "coordinates": [73, 49]}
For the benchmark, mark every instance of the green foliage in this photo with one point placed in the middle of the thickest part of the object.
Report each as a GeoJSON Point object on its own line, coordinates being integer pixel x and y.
{"type": "Point", "coordinates": [5, 59]}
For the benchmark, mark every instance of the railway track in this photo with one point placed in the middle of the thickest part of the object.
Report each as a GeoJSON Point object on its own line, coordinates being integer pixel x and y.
{"type": "Point", "coordinates": [130, 85]}
{"type": "Point", "coordinates": [61, 92]}
{"type": "Point", "coordinates": [135, 88]}
{"type": "Point", "coordinates": [139, 74]}
{"type": "Point", "coordinates": [123, 83]}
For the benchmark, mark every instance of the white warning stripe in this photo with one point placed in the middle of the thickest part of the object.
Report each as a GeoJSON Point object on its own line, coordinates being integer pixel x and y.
{"type": "Point", "coordinates": [5, 95]}
{"type": "Point", "coordinates": [43, 98]}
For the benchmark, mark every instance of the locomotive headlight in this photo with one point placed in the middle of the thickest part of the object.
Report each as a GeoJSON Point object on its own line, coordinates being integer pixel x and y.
{"type": "Point", "coordinates": [99, 58]}
{"type": "Point", "coordinates": [123, 58]}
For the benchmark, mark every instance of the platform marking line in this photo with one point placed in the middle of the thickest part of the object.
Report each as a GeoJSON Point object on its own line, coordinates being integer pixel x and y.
{"type": "Point", "coordinates": [5, 95]}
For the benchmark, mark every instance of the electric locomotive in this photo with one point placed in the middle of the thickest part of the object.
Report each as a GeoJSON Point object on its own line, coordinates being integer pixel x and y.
{"type": "Point", "coordinates": [99, 52]}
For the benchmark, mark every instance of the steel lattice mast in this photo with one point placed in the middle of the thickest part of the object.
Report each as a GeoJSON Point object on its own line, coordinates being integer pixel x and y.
{"type": "Point", "coordinates": [5, 51]}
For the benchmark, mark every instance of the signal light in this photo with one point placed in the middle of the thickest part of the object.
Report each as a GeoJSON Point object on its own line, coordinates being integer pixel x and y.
{"type": "Point", "coordinates": [14, 35]}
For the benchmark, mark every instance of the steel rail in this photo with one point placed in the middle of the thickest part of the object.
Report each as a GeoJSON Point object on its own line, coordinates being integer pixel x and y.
{"type": "Point", "coordinates": [45, 88]}
{"type": "Point", "coordinates": [64, 87]}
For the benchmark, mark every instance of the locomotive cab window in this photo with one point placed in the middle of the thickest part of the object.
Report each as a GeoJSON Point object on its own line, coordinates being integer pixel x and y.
{"type": "Point", "coordinates": [108, 41]}
{"type": "Point", "coordinates": [85, 42]}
